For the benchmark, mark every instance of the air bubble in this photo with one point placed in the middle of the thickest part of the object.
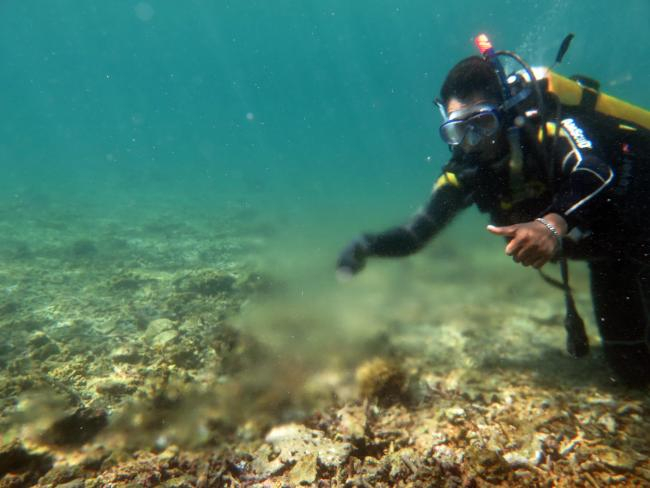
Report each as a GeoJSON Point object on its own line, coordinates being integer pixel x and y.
{"type": "Point", "coordinates": [144, 11]}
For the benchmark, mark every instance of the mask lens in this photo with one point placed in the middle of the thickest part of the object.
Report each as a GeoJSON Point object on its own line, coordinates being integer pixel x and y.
{"type": "Point", "coordinates": [474, 128]}
{"type": "Point", "coordinates": [473, 136]}
{"type": "Point", "coordinates": [486, 123]}
{"type": "Point", "coordinates": [453, 132]}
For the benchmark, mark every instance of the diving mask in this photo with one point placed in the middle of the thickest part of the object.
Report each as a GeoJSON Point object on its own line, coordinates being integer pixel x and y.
{"type": "Point", "coordinates": [471, 124]}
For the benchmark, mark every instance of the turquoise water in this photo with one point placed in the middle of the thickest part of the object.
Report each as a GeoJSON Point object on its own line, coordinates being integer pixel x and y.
{"type": "Point", "coordinates": [166, 136]}
{"type": "Point", "coordinates": [317, 109]}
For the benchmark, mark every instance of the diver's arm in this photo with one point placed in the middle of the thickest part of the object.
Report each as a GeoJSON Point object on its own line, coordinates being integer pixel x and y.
{"type": "Point", "coordinates": [448, 198]}
{"type": "Point", "coordinates": [445, 202]}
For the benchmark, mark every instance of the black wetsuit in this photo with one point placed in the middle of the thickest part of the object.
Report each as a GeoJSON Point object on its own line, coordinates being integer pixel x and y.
{"type": "Point", "coordinates": [595, 172]}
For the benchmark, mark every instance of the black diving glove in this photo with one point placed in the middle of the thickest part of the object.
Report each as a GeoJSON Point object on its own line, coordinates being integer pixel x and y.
{"type": "Point", "coordinates": [353, 258]}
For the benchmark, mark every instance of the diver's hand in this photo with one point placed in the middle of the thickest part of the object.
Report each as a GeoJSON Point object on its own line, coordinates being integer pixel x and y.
{"type": "Point", "coordinates": [353, 258]}
{"type": "Point", "coordinates": [532, 243]}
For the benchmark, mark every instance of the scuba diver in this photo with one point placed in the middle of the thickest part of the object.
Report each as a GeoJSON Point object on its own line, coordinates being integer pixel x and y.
{"type": "Point", "coordinates": [563, 171]}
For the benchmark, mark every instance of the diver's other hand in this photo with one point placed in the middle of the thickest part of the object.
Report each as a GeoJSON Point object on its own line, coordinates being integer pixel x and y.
{"type": "Point", "coordinates": [353, 257]}
{"type": "Point", "coordinates": [532, 243]}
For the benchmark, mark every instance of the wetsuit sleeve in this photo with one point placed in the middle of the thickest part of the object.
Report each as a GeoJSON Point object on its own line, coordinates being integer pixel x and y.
{"type": "Point", "coordinates": [583, 175]}
{"type": "Point", "coordinates": [447, 199]}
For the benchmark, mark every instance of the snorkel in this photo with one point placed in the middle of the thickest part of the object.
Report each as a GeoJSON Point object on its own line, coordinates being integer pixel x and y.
{"type": "Point", "coordinates": [510, 99]}
{"type": "Point", "coordinates": [485, 48]}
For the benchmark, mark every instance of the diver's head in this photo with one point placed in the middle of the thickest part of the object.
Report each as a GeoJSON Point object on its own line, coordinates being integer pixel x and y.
{"type": "Point", "coordinates": [471, 97]}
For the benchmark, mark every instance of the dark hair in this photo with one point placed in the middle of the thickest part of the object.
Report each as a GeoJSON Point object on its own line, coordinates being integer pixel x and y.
{"type": "Point", "coordinates": [471, 76]}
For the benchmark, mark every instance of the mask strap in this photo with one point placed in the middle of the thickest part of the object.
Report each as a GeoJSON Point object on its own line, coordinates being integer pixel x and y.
{"type": "Point", "coordinates": [441, 108]}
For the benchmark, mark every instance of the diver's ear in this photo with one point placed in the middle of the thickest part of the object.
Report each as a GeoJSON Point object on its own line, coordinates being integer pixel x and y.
{"type": "Point", "coordinates": [442, 108]}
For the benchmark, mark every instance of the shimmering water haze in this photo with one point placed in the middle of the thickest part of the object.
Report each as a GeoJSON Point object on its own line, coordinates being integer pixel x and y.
{"type": "Point", "coordinates": [317, 110]}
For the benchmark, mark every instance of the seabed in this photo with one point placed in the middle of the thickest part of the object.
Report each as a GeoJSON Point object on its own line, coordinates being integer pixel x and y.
{"type": "Point", "coordinates": [173, 356]}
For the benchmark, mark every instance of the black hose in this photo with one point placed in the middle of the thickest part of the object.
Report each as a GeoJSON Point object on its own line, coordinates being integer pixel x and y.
{"type": "Point", "coordinates": [531, 75]}
{"type": "Point", "coordinates": [577, 342]}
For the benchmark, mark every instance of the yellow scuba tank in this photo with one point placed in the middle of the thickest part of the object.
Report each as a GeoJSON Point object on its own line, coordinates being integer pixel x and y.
{"type": "Point", "coordinates": [573, 93]}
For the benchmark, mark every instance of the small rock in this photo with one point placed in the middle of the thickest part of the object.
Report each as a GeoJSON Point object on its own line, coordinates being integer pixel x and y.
{"type": "Point", "coordinates": [164, 338]}
{"type": "Point", "coordinates": [606, 401]}
{"type": "Point", "coordinates": [207, 283]}
{"type": "Point", "coordinates": [157, 326]}
{"type": "Point", "coordinates": [294, 441]}
{"type": "Point", "coordinates": [185, 358]}
{"type": "Point", "coordinates": [619, 460]}
{"type": "Point", "coordinates": [629, 408]}
{"type": "Point", "coordinates": [353, 422]}
{"type": "Point", "coordinates": [524, 475]}
{"type": "Point", "coordinates": [169, 454]}
{"type": "Point", "coordinates": [487, 464]}
{"type": "Point", "coordinates": [128, 354]}
{"type": "Point", "coordinates": [45, 351]}
{"type": "Point", "coordinates": [185, 481]}
{"type": "Point", "coordinates": [262, 463]}
{"type": "Point", "coordinates": [38, 339]}
{"type": "Point", "coordinates": [609, 422]}
{"type": "Point", "coordinates": [516, 460]}
{"type": "Point", "coordinates": [446, 456]}
{"type": "Point", "coordinates": [398, 464]}
{"type": "Point", "coordinates": [61, 475]}
{"type": "Point", "coordinates": [161, 332]}
{"type": "Point", "coordinates": [114, 388]}
{"type": "Point", "coordinates": [305, 470]}
{"type": "Point", "coordinates": [454, 414]}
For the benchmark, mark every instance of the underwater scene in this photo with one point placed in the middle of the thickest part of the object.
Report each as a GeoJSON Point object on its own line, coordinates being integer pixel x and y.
{"type": "Point", "coordinates": [180, 180]}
